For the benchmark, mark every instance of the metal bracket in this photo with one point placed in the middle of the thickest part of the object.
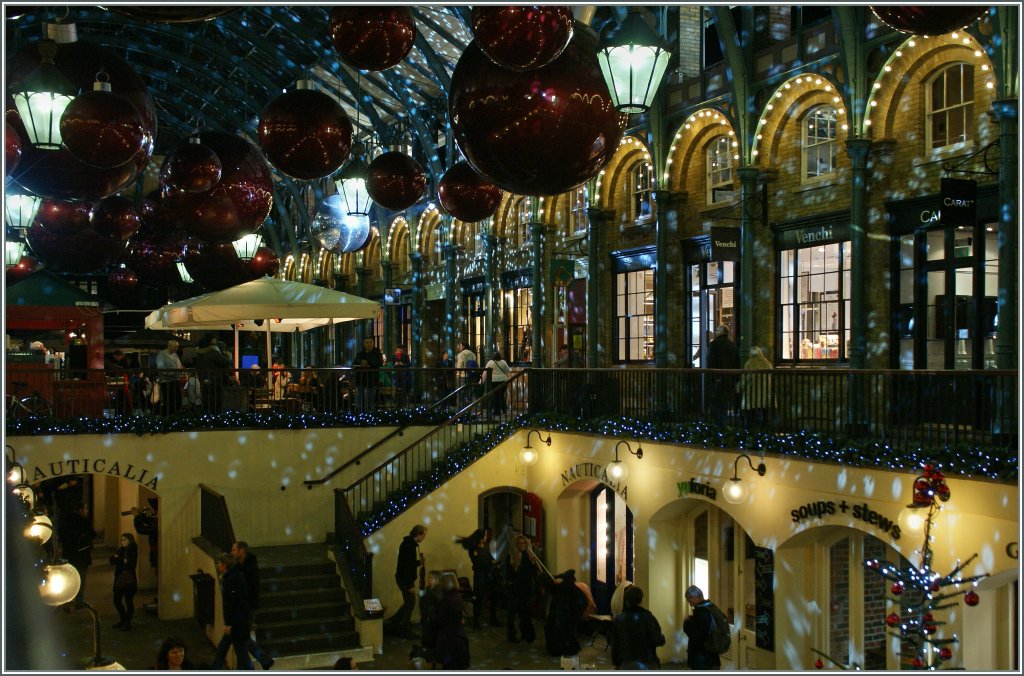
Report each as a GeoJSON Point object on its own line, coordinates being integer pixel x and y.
{"type": "Point", "coordinates": [986, 161]}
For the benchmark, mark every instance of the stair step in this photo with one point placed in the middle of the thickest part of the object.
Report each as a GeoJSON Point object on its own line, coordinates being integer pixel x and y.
{"type": "Point", "coordinates": [285, 613]}
{"type": "Point", "coordinates": [269, 585]}
{"type": "Point", "coordinates": [301, 645]}
{"type": "Point", "coordinates": [271, 571]}
{"type": "Point", "coordinates": [302, 597]}
{"type": "Point", "coordinates": [305, 626]}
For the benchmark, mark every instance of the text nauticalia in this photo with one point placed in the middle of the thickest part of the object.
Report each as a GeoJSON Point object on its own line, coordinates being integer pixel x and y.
{"type": "Point", "coordinates": [96, 466]}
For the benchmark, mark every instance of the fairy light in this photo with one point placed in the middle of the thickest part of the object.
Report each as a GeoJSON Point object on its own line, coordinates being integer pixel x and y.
{"type": "Point", "coordinates": [694, 124]}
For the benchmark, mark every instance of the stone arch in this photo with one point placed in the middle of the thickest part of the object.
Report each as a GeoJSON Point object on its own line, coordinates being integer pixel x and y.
{"type": "Point", "coordinates": [791, 96]}
{"type": "Point", "coordinates": [630, 151]}
{"type": "Point", "coordinates": [689, 137]}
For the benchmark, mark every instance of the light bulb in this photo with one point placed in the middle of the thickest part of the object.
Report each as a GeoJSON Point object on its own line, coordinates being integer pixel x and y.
{"type": "Point", "coordinates": [617, 471]}
{"type": "Point", "coordinates": [60, 583]}
{"type": "Point", "coordinates": [912, 520]}
{"type": "Point", "coordinates": [40, 530]}
{"type": "Point", "coordinates": [734, 491]}
{"type": "Point", "coordinates": [16, 475]}
{"type": "Point", "coordinates": [528, 456]}
{"type": "Point", "coordinates": [26, 494]}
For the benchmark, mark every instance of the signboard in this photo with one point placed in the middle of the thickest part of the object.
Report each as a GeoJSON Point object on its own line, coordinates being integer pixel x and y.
{"type": "Point", "coordinates": [434, 291]}
{"type": "Point", "coordinates": [796, 238]}
{"type": "Point", "coordinates": [764, 598]}
{"type": "Point", "coordinates": [725, 243]}
{"type": "Point", "coordinates": [959, 202]}
{"type": "Point", "coordinates": [562, 271]}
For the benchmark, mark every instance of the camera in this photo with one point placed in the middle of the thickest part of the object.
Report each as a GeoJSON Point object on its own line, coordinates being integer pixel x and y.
{"type": "Point", "coordinates": [128, 513]}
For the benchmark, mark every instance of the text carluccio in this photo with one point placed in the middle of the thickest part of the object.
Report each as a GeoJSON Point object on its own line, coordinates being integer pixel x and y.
{"type": "Point", "coordinates": [96, 466]}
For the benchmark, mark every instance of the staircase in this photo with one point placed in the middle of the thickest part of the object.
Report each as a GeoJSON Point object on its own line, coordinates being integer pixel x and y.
{"type": "Point", "coordinates": [303, 609]}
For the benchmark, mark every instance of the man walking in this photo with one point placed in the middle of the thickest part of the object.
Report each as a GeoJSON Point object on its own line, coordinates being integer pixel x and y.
{"type": "Point", "coordinates": [409, 561]}
{"type": "Point", "coordinates": [76, 535]}
{"type": "Point", "coordinates": [234, 594]}
{"type": "Point", "coordinates": [251, 569]}
{"type": "Point", "coordinates": [367, 365]}
{"type": "Point", "coordinates": [698, 628]}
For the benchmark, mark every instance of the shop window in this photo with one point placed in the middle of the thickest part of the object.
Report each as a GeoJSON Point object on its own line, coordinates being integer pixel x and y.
{"type": "Point", "coordinates": [643, 180]}
{"type": "Point", "coordinates": [719, 171]}
{"type": "Point", "coordinates": [950, 106]}
{"type": "Point", "coordinates": [814, 302]}
{"type": "Point", "coordinates": [711, 304]}
{"type": "Point", "coordinates": [634, 294]}
{"type": "Point", "coordinates": [521, 236]}
{"type": "Point", "coordinates": [819, 143]}
{"type": "Point", "coordinates": [519, 328]}
{"type": "Point", "coordinates": [578, 215]}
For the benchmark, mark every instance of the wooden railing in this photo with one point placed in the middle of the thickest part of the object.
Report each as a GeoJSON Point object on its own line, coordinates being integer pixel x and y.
{"type": "Point", "coordinates": [215, 519]}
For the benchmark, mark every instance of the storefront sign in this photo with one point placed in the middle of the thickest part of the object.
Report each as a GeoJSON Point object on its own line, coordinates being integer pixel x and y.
{"type": "Point", "coordinates": [95, 466]}
{"type": "Point", "coordinates": [591, 470]}
{"type": "Point", "coordinates": [473, 286]}
{"type": "Point", "coordinates": [797, 238]}
{"type": "Point", "coordinates": [434, 291]}
{"type": "Point", "coordinates": [725, 243]}
{"type": "Point", "coordinates": [694, 487]}
{"type": "Point", "coordinates": [562, 271]}
{"type": "Point", "coordinates": [517, 279]}
{"type": "Point", "coordinates": [823, 508]}
{"type": "Point", "coordinates": [959, 202]}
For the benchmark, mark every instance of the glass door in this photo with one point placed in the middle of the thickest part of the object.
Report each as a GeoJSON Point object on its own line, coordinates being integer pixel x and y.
{"type": "Point", "coordinates": [611, 545]}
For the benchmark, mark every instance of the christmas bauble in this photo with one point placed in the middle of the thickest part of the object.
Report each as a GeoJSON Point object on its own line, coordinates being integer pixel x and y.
{"type": "Point", "coordinates": [971, 598]}
{"type": "Point", "coordinates": [58, 173]}
{"type": "Point", "coordinates": [945, 654]}
{"type": "Point", "coordinates": [25, 266]}
{"type": "Point", "coordinates": [522, 37]}
{"type": "Point", "coordinates": [874, 564]}
{"type": "Point", "coordinates": [929, 628]}
{"type": "Point", "coordinates": [240, 201]}
{"type": "Point", "coordinates": [917, 663]}
{"type": "Point", "coordinates": [12, 149]}
{"type": "Point", "coordinates": [305, 134]}
{"type": "Point", "coordinates": [897, 588]}
{"type": "Point", "coordinates": [372, 37]}
{"type": "Point", "coordinates": [102, 129]}
{"type": "Point", "coordinates": [83, 250]}
{"type": "Point", "coordinates": [935, 586]}
{"type": "Point", "coordinates": [467, 195]}
{"type": "Point", "coordinates": [928, 617]}
{"type": "Point", "coordinates": [62, 218]}
{"type": "Point", "coordinates": [216, 265]}
{"type": "Point", "coordinates": [264, 263]}
{"type": "Point", "coordinates": [931, 20]}
{"type": "Point", "coordinates": [121, 283]}
{"type": "Point", "coordinates": [818, 664]}
{"type": "Point", "coordinates": [192, 167]}
{"type": "Point", "coordinates": [541, 132]}
{"type": "Point", "coordinates": [154, 254]}
{"type": "Point", "coordinates": [943, 492]}
{"type": "Point", "coordinates": [395, 180]}
{"type": "Point", "coordinates": [892, 619]}
{"type": "Point", "coordinates": [116, 217]}
{"type": "Point", "coordinates": [336, 230]}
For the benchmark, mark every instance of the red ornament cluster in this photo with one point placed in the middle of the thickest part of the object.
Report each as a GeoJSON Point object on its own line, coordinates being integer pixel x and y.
{"type": "Point", "coordinates": [929, 486]}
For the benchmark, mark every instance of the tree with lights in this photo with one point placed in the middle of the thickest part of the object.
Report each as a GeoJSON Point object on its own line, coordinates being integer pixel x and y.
{"type": "Point", "coordinates": [921, 592]}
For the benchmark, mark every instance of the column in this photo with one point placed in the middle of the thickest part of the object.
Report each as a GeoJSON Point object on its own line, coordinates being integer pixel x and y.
{"type": "Point", "coordinates": [1006, 111]}
{"type": "Point", "coordinates": [662, 198]}
{"type": "Point", "coordinates": [857, 349]}
{"type": "Point", "coordinates": [450, 306]}
{"type": "Point", "coordinates": [490, 287]}
{"type": "Point", "coordinates": [537, 319]}
{"type": "Point", "coordinates": [416, 309]}
{"type": "Point", "coordinates": [600, 220]}
{"type": "Point", "coordinates": [364, 326]}
{"type": "Point", "coordinates": [387, 269]}
{"type": "Point", "coordinates": [748, 206]}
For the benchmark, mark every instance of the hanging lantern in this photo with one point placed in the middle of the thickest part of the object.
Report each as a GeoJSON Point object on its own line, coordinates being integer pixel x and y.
{"type": "Point", "coordinates": [351, 185]}
{"type": "Point", "coordinates": [372, 38]}
{"type": "Point", "coordinates": [12, 149]}
{"type": "Point", "coordinates": [186, 277]}
{"type": "Point", "coordinates": [335, 229]}
{"type": "Point", "coordinates": [192, 167]}
{"type": "Point", "coordinates": [522, 37]}
{"type": "Point", "coordinates": [395, 180]}
{"type": "Point", "coordinates": [13, 251]}
{"type": "Point", "coordinates": [101, 128]}
{"type": "Point", "coordinates": [467, 195]}
{"type": "Point", "coordinates": [305, 133]}
{"type": "Point", "coordinates": [41, 99]}
{"type": "Point", "coordinates": [246, 246]}
{"type": "Point", "coordinates": [20, 206]}
{"type": "Point", "coordinates": [633, 60]}
{"type": "Point", "coordinates": [40, 530]}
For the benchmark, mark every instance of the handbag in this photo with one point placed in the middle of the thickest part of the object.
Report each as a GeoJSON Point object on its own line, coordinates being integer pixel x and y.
{"type": "Point", "coordinates": [124, 580]}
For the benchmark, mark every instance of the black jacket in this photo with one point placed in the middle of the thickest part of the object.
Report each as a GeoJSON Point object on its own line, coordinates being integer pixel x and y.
{"type": "Point", "coordinates": [125, 559]}
{"type": "Point", "coordinates": [76, 535]}
{"type": "Point", "coordinates": [408, 563]}
{"type": "Point", "coordinates": [251, 569]}
{"type": "Point", "coordinates": [366, 376]}
{"type": "Point", "coordinates": [722, 354]}
{"type": "Point", "coordinates": [234, 591]}
{"type": "Point", "coordinates": [635, 636]}
{"type": "Point", "coordinates": [698, 627]}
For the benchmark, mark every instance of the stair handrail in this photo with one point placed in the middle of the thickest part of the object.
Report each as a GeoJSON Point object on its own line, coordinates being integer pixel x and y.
{"type": "Point", "coordinates": [214, 516]}
{"type": "Point", "coordinates": [355, 460]}
{"type": "Point", "coordinates": [350, 542]}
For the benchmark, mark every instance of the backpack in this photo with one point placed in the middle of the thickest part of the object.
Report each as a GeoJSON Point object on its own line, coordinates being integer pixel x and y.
{"type": "Point", "coordinates": [719, 634]}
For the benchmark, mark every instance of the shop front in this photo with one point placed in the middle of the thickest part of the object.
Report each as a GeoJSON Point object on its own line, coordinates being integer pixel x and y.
{"type": "Point", "coordinates": [711, 274]}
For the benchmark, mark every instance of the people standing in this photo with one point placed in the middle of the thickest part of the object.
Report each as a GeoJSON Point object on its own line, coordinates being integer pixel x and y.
{"type": "Point", "coordinates": [428, 611]}
{"type": "Point", "coordinates": [250, 567]}
{"type": "Point", "coordinates": [281, 378]}
{"type": "Point", "coordinates": [499, 370]}
{"type": "Point", "coordinates": [452, 645]}
{"type": "Point", "coordinates": [172, 656]}
{"type": "Point", "coordinates": [521, 580]}
{"type": "Point", "coordinates": [367, 365]}
{"type": "Point", "coordinates": [756, 389]}
{"type": "Point", "coordinates": [568, 604]}
{"type": "Point", "coordinates": [403, 378]}
{"type": "Point", "coordinates": [478, 546]}
{"type": "Point", "coordinates": [406, 569]}
{"type": "Point", "coordinates": [562, 358]}
{"type": "Point", "coordinates": [76, 535]}
{"type": "Point", "coordinates": [445, 377]}
{"type": "Point", "coordinates": [636, 634]}
{"type": "Point", "coordinates": [211, 364]}
{"type": "Point", "coordinates": [234, 596]}
{"type": "Point", "coordinates": [465, 359]}
{"type": "Point", "coordinates": [168, 376]}
{"type": "Point", "coordinates": [125, 560]}
{"type": "Point", "coordinates": [722, 354]}
{"type": "Point", "coordinates": [698, 627]}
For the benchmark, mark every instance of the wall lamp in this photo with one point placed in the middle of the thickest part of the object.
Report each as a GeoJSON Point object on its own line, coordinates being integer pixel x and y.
{"type": "Point", "coordinates": [928, 490]}
{"type": "Point", "coordinates": [617, 471]}
{"type": "Point", "coordinates": [735, 491]}
{"type": "Point", "coordinates": [529, 455]}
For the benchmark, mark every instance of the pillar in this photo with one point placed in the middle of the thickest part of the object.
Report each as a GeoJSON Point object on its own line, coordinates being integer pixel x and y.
{"type": "Point", "coordinates": [450, 307]}
{"type": "Point", "coordinates": [364, 328]}
{"type": "Point", "coordinates": [387, 270]}
{"type": "Point", "coordinates": [491, 308]}
{"type": "Point", "coordinates": [1006, 111]}
{"type": "Point", "coordinates": [600, 221]}
{"type": "Point", "coordinates": [748, 206]}
{"type": "Point", "coordinates": [537, 319]}
{"type": "Point", "coordinates": [662, 198]}
{"type": "Point", "coordinates": [857, 149]}
{"type": "Point", "coordinates": [416, 355]}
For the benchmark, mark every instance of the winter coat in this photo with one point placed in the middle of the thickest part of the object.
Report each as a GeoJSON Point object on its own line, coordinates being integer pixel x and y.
{"type": "Point", "coordinates": [635, 636]}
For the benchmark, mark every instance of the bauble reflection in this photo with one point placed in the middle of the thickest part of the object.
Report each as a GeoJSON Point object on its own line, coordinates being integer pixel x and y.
{"type": "Point", "coordinates": [522, 37]}
{"type": "Point", "coordinates": [192, 167]}
{"type": "Point", "coordinates": [305, 133]}
{"type": "Point", "coordinates": [372, 37]}
{"type": "Point", "coordinates": [102, 129]}
{"type": "Point", "coordinates": [467, 195]}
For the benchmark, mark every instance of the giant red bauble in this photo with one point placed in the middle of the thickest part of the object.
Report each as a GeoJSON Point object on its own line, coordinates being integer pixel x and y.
{"type": "Point", "coordinates": [929, 20]}
{"type": "Point", "coordinates": [12, 149]}
{"type": "Point", "coordinates": [237, 205]}
{"type": "Point", "coordinates": [154, 254]}
{"type": "Point", "coordinates": [25, 266]}
{"type": "Point", "coordinates": [395, 180]}
{"type": "Point", "coordinates": [522, 37]}
{"type": "Point", "coordinates": [102, 129]}
{"type": "Point", "coordinates": [264, 263]}
{"type": "Point", "coordinates": [372, 37]}
{"type": "Point", "coordinates": [58, 173]}
{"type": "Point", "coordinates": [542, 132]}
{"type": "Point", "coordinates": [156, 214]}
{"type": "Point", "coordinates": [192, 167]}
{"type": "Point", "coordinates": [305, 134]}
{"type": "Point", "coordinates": [216, 265]}
{"type": "Point", "coordinates": [63, 218]}
{"type": "Point", "coordinates": [116, 217]}
{"type": "Point", "coordinates": [467, 195]}
{"type": "Point", "coordinates": [83, 250]}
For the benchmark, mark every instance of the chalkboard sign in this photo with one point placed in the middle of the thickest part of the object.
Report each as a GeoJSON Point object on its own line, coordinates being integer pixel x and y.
{"type": "Point", "coordinates": [764, 597]}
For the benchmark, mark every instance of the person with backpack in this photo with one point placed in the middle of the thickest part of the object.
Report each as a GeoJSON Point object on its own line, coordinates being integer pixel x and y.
{"type": "Point", "coordinates": [636, 634]}
{"type": "Point", "coordinates": [707, 630]}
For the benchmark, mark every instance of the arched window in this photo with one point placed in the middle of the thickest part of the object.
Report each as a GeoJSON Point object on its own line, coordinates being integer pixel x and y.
{"type": "Point", "coordinates": [950, 106]}
{"type": "Point", "coordinates": [719, 177]}
{"type": "Point", "coordinates": [578, 216]}
{"type": "Point", "coordinates": [819, 142]}
{"type": "Point", "coordinates": [521, 237]}
{"type": "Point", "coordinates": [643, 180]}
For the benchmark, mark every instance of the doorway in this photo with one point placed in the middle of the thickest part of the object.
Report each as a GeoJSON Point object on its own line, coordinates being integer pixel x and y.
{"type": "Point", "coordinates": [611, 545]}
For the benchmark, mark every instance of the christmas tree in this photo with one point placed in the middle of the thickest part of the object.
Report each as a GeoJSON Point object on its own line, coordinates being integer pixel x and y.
{"type": "Point", "coordinates": [921, 592]}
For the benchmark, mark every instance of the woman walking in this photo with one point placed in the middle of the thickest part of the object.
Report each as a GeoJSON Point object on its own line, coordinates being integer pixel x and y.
{"type": "Point", "coordinates": [478, 546]}
{"type": "Point", "coordinates": [125, 559]}
{"type": "Point", "coordinates": [521, 575]}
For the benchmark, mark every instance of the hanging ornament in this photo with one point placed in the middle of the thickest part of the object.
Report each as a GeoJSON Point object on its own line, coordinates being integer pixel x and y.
{"type": "Point", "coordinates": [192, 167]}
{"type": "Point", "coordinates": [395, 180]}
{"type": "Point", "coordinates": [154, 254]}
{"type": "Point", "coordinates": [69, 249]}
{"type": "Point", "coordinates": [892, 619]}
{"type": "Point", "coordinates": [945, 654]}
{"type": "Point", "coordinates": [522, 37]}
{"type": "Point", "coordinates": [264, 263]}
{"type": "Point", "coordinates": [61, 217]}
{"type": "Point", "coordinates": [59, 173]}
{"type": "Point", "coordinates": [12, 149]}
{"type": "Point", "coordinates": [102, 128]}
{"type": "Point", "coordinates": [818, 664]}
{"type": "Point", "coordinates": [572, 131]}
{"type": "Point", "coordinates": [929, 628]}
{"type": "Point", "coordinates": [116, 217]}
{"type": "Point", "coordinates": [971, 598]}
{"type": "Point", "coordinates": [467, 195]}
{"type": "Point", "coordinates": [917, 663]}
{"type": "Point", "coordinates": [237, 205]}
{"type": "Point", "coordinates": [121, 283]}
{"type": "Point", "coordinates": [897, 588]}
{"type": "Point", "coordinates": [930, 20]}
{"type": "Point", "coordinates": [372, 37]}
{"type": "Point", "coordinates": [874, 564]}
{"type": "Point", "coordinates": [336, 230]}
{"type": "Point", "coordinates": [936, 586]}
{"type": "Point", "coordinates": [305, 133]}
{"type": "Point", "coordinates": [25, 266]}
{"type": "Point", "coordinates": [216, 265]}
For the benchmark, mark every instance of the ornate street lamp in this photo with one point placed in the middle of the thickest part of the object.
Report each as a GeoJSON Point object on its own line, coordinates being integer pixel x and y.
{"type": "Point", "coordinates": [20, 206]}
{"type": "Point", "coordinates": [351, 184]}
{"type": "Point", "coordinates": [41, 99]}
{"type": "Point", "coordinates": [247, 246]}
{"type": "Point", "coordinates": [633, 60]}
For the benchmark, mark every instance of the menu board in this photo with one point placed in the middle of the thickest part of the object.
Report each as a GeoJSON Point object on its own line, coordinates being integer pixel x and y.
{"type": "Point", "coordinates": [764, 597]}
